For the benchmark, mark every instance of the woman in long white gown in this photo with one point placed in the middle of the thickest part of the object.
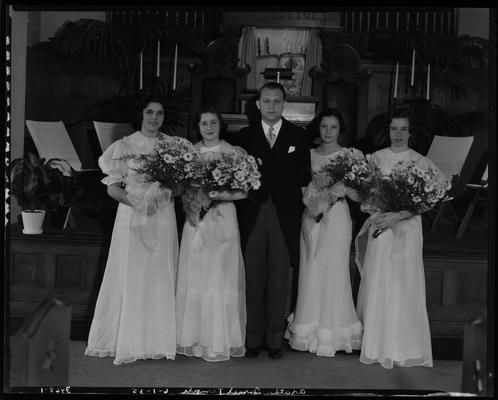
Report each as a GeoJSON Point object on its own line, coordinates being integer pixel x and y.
{"type": "Point", "coordinates": [391, 299]}
{"type": "Point", "coordinates": [135, 311]}
{"type": "Point", "coordinates": [325, 320]}
{"type": "Point", "coordinates": [210, 292]}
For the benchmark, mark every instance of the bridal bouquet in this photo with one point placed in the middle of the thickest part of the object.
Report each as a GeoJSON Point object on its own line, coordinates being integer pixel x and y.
{"type": "Point", "coordinates": [408, 187]}
{"type": "Point", "coordinates": [349, 168]}
{"type": "Point", "coordinates": [411, 188]}
{"type": "Point", "coordinates": [173, 163]}
{"type": "Point", "coordinates": [230, 172]}
{"type": "Point", "coordinates": [352, 168]}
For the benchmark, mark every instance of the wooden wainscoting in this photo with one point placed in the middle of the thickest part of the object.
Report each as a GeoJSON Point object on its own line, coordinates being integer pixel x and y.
{"type": "Point", "coordinates": [67, 264]}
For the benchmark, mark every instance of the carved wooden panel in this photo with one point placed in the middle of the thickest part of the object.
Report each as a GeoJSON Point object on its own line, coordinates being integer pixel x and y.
{"type": "Point", "coordinates": [69, 264]}
{"type": "Point", "coordinates": [472, 289]}
{"type": "Point", "coordinates": [68, 272]}
{"type": "Point", "coordinates": [434, 287]}
{"type": "Point", "coordinates": [29, 269]}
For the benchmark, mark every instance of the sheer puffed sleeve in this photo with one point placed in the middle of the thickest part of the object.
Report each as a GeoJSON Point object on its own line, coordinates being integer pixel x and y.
{"type": "Point", "coordinates": [111, 165]}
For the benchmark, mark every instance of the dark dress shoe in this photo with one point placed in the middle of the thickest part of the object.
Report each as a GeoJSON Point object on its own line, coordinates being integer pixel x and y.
{"type": "Point", "coordinates": [252, 352]}
{"type": "Point", "coordinates": [275, 353]}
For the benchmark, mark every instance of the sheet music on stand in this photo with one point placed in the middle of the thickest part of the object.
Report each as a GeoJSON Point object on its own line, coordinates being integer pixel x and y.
{"type": "Point", "coordinates": [52, 141]}
{"type": "Point", "coordinates": [109, 132]}
{"type": "Point", "coordinates": [449, 153]}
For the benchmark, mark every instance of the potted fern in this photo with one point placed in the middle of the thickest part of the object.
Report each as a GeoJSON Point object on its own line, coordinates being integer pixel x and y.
{"type": "Point", "coordinates": [39, 186]}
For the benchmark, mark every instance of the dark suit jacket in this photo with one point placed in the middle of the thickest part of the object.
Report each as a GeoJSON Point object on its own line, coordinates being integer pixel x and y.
{"type": "Point", "coordinates": [285, 168]}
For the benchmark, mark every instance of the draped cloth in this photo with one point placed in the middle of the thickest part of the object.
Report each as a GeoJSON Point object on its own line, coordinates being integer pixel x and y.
{"type": "Point", "coordinates": [248, 53]}
{"type": "Point", "coordinates": [279, 41]}
{"type": "Point", "coordinates": [147, 199]}
{"type": "Point", "coordinates": [313, 59]}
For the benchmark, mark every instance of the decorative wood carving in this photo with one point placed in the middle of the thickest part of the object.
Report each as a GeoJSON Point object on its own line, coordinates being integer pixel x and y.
{"type": "Point", "coordinates": [218, 80]}
{"type": "Point", "coordinates": [342, 82]}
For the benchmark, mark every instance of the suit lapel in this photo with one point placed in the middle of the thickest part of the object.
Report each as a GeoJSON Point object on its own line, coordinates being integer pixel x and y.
{"type": "Point", "coordinates": [282, 139]}
{"type": "Point", "coordinates": [261, 142]}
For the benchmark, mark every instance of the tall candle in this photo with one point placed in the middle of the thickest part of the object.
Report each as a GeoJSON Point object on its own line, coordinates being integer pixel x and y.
{"type": "Point", "coordinates": [174, 67]}
{"type": "Point", "coordinates": [278, 76]}
{"type": "Point", "coordinates": [412, 81]}
{"type": "Point", "coordinates": [141, 70]}
{"type": "Point", "coordinates": [428, 80]}
{"type": "Point", "coordinates": [158, 57]}
{"type": "Point", "coordinates": [396, 81]}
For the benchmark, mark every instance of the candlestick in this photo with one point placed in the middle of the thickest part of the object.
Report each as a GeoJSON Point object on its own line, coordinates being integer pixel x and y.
{"type": "Point", "coordinates": [396, 81]}
{"type": "Point", "coordinates": [174, 67]}
{"type": "Point", "coordinates": [158, 57]}
{"type": "Point", "coordinates": [141, 70]}
{"type": "Point", "coordinates": [412, 81]}
{"type": "Point", "coordinates": [428, 80]}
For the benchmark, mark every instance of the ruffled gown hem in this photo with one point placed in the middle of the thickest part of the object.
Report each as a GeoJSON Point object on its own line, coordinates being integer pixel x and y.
{"type": "Point", "coordinates": [129, 359]}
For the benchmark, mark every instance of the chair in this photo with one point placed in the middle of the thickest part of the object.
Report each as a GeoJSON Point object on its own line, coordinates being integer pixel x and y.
{"type": "Point", "coordinates": [109, 132]}
{"type": "Point", "coordinates": [217, 80]}
{"type": "Point", "coordinates": [39, 351]}
{"type": "Point", "coordinates": [342, 82]}
{"type": "Point", "coordinates": [474, 371]}
{"type": "Point", "coordinates": [448, 154]}
{"type": "Point", "coordinates": [478, 198]}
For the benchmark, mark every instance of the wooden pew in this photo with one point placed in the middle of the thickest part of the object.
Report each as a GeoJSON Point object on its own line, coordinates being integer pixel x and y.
{"type": "Point", "coordinates": [39, 351]}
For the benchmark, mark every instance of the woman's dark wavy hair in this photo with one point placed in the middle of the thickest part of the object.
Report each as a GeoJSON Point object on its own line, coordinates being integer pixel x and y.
{"type": "Point", "coordinates": [401, 113]}
{"type": "Point", "coordinates": [331, 112]}
{"type": "Point", "coordinates": [142, 104]}
{"type": "Point", "coordinates": [211, 110]}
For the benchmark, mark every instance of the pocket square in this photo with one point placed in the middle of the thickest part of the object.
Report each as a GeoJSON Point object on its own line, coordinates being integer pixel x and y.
{"type": "Point", "coordinates": [291, 149]}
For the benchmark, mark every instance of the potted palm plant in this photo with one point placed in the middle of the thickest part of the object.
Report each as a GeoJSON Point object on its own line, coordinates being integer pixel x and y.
{"type": "Point", "coordinates": [123, 44]}
{"type": "Point", "coordinates": [39, 186]}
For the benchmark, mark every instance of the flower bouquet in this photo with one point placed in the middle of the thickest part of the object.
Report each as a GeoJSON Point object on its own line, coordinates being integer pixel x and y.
{"type": "Point", "coordinates": [230, 172]}
{"type": "Point", "coordinates": [172, 163]}
{"type": "Point", "coordinates": [350, 168]}
{"type": "Point", "coordinates": [408, 187]}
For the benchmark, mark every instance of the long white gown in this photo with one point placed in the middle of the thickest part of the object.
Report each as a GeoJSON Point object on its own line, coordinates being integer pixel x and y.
{"type": "Point", "coordinates": [135, 311]}
{"type": "Point", "coordinates": [391, 298]}
{"type": "Point", "coordinates": [210, 292]}
{"type": "Point", "coordinates": [325, 320]}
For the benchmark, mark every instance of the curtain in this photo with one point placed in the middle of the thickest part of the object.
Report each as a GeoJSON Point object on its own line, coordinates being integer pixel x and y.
{"type": "Point", "coordinates": [283, 40]}
{"type": "Point", "coordinates": [313, 58]}
{"type": "Point", "coordinates": [247, 54]}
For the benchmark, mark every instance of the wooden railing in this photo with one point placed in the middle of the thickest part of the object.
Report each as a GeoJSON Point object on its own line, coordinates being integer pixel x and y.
{"type": "Point", "coordinates": [428, 20]}
{"type": "Point", "coordinates": [198, 20]}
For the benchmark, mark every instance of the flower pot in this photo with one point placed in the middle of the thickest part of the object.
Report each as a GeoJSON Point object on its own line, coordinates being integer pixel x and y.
{"type": "Point", "coordinates": [32, 221]}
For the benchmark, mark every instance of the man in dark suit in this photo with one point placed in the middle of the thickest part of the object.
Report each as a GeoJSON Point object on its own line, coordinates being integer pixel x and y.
{"type": "Point", "coordinates": [270, 219]}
